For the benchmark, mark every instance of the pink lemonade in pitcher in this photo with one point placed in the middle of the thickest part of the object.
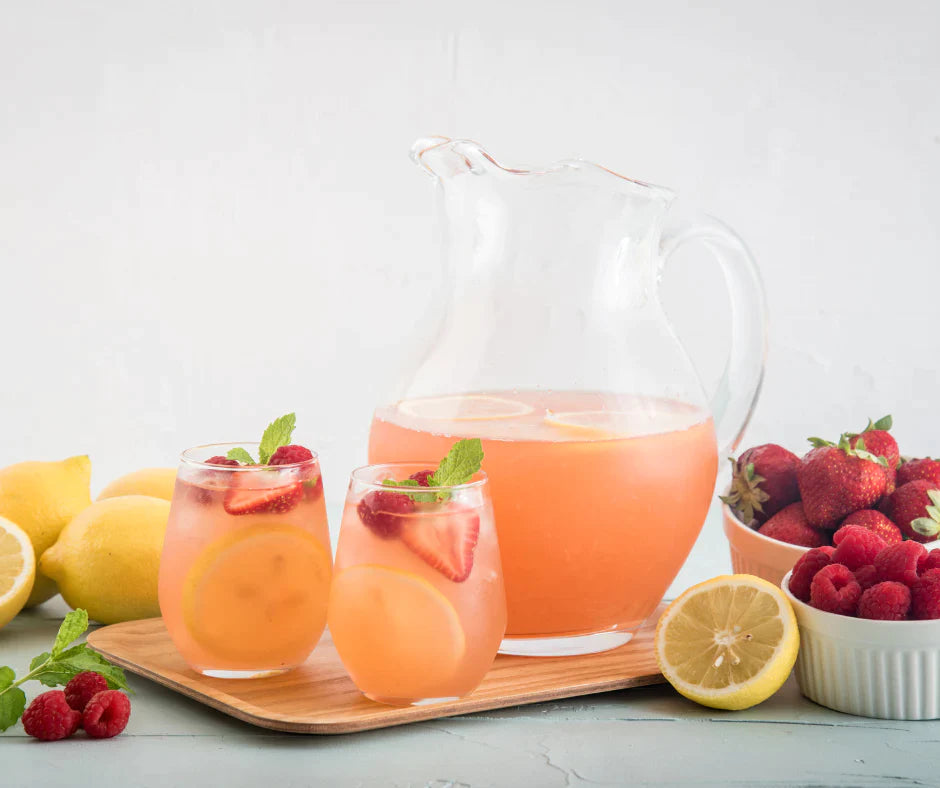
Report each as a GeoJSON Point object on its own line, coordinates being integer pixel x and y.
{"type": "Point", "coordinates": [598, 498]}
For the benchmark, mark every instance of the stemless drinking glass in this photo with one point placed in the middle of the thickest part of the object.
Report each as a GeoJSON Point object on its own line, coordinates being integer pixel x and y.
{"type": "Point", "coordinates": [417, 604]}
{"type": "Point", "coordinates": [246, 565]}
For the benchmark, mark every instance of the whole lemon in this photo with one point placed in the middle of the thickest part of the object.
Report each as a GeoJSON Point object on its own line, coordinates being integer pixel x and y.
{"type": "Point", "coordinates": [156, 482]}
{"type": "Point", "coordinates": [108, 558]}
{"type": "Point", "coordinates": [41, 498]}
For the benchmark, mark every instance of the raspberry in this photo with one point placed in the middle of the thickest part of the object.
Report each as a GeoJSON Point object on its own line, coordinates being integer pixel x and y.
{"type": "Point", "coordinates": [925, 596]}
{"type": "Point", "coordinates": [874, 521]}
{"type": "Point", "coordinates": [220, 460]}
{"type": "Point", "coordinates": [288, 455]}
{"type": "Point", "coordinates": [835, 590]}
{"type": "Point", "coordinates": [929, 561]}
{"type": "Point", "coordinates": [899, 562]}
{"type": "Point", "coordinates": [49, 717]}
{"type": "Point", "coordinates": [106, 714]}
{"type": "Point", "coordinates": [421, 477]}
{"type": "Point", "coordinates": [789, 525]}
{"type": "Point", "coordinates": [866, 576]}
{"type": "Point", "coordinates": [381, 511]}
{"type": "Point", "coordinates": [856, 546]}
{"type": "Point", "coordinates": [82, 687]}
{"type": "Point", "coordinates": [885, 602]}
{"type": "Point", "coordinates": [805, 570]}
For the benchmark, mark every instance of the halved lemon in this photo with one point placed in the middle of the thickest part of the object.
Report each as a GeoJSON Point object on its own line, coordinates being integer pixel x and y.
{"type": "Point", "coordinates": [397, 635]}
{"type": "Point", "coordinates": [17, 570]}
{"type": "Point", "coordinates": [728, 643]}
{"type": "Point", "coordinates": [259, 591]}
{"type": "Point", "coordinates": [464, 407]}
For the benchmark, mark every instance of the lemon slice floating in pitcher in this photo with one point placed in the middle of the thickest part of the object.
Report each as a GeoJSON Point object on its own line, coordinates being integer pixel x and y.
{"type": "Point", "coordinates": [728, 643]}
{"type": "Point", "coordinates": [597, 423]}
{"type": "Point", "coordinates": [398, 636]}
{"type": "Point", "coordinates": [17, 570]}
{"type": "Point", "coordinates": [464, 407]}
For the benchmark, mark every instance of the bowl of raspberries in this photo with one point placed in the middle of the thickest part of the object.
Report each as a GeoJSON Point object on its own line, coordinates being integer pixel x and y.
{"type": "Point", "coordinates": [779, 506]}
{"type": "Point", "coordinates": [868, 611]}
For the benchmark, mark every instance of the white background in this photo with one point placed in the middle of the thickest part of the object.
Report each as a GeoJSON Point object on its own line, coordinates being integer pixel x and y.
{"type": "Point", "coordinates": [208, 217]}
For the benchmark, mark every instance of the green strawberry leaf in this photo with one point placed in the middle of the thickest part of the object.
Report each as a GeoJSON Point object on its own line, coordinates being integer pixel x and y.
{"type": "Point", "coordinates": [277, 434]}
{"type": "Point", "coordinates": [240, 455]}
{"type": "Point", "coordinates": [12, 705]}
{"type": "Point", "coordinates": [934, 496]}
{"type": "Point", "coordinates": [820, 442]}
{"type": "Point", "coordinates": [925, 526]}
{"type": "Point", "coordinates": [75, 623]}
{"type": "Point", "coordinates": [884, 423]}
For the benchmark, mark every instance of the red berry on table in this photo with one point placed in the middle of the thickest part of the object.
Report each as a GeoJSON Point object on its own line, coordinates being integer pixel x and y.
{"type": "Point", "coordinates": [49, 717]}
{"type": "Point", "coordinates": [82, 687]}
{"type": "Point", "coordinates": [220, 460]}
{"type": "Point", "coordinates": [789, 525]}
{"type": "Point", "coordinates": [106, 714]}
{"type": "Point", "coordinates": [915, 507]}
{"type": "Point", "coordinates": [290, 454]}
{"type": "Point", "coordinates": [835, 590]}
{"type": "Point", "coordinates": [889, 601]}
{"type": "Point", "coordinates": [422, 477]}
{"type": "Point", "coordinates": [834, 482]}
{"type": "Point", "coordinates": [866, 576]}
{"type": "Point", "coordinates": [805, 569]}
{"type": "Point", "coordinates": [925, 469]}
{"type": "Point", "coordinates": [900, 562]}
{"type": "Point", "coordinates": [383, 511]}
{"type": "Point", "coordinates": [925, 596]}
{"type": "Point", "coordinates": [445, 542]}
{"type": "Point", "coordinates": [762, 483]}
{"type": "Point", "coordinates": [876, 440]}
{"type": "Point", "coordinates": [857, 546]}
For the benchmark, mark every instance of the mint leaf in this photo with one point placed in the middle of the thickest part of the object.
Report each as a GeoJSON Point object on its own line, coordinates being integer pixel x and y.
{"type": "Point", "coordinates": [43, 670]}
{"type": "Point", "coordinates": [462, 461]}
{"type": "Point", "coordinates": [81, 658]}
{"type": "Point", "coordinates": [402, 483]}
{"type": "Point", "coordinates": [12, 704]}
{"type": "Point", "coordinates": [418, 497]}
{"type": "Point", "coordinates": [7, 677]}
{"type": "Point", "coordinates": [277, 434]}
{"type": "Point", "coordinates": [240, 455]}
{"type": "Point", "coordinates": [75, 623]}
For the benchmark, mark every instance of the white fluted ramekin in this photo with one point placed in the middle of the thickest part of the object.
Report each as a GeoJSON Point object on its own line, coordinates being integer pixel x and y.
{"type": "Point", "coordinates": [885, 669]}
{"type": "Point", "coordinates": [755, 554]}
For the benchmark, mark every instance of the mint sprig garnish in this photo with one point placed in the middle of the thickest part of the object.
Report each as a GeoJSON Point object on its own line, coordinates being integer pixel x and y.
{"type": "Point", "coordinates": [458, 467]}
{"type": "Point", "coordinates": [55, 668]}
{"type": "Point", "coordinates": [276, 434]}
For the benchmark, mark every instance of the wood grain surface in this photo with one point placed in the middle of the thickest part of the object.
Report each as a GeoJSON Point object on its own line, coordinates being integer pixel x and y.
{"type": "Point", "coordinates": [319, 697]}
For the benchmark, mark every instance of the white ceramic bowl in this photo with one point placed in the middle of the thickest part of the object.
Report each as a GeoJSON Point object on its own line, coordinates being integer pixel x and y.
{"type": "Point", "coordinates": [754, 554]}
{"type": "Point", "coordinates": [885, 669]}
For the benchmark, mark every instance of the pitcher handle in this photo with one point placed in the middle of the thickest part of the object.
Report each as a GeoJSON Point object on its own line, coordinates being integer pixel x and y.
{"type": "Point", "coordinates": [733, 401]}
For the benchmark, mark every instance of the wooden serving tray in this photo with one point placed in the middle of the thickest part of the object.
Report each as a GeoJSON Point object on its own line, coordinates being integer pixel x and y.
{"type": "Point", "coordinates": [319, 697]}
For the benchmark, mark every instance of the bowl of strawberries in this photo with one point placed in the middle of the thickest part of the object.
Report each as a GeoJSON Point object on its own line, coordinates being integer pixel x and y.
{"type": "Point", "coordinates": [778, 505]}
{"type": "Point", "coordinates": [868, 612]}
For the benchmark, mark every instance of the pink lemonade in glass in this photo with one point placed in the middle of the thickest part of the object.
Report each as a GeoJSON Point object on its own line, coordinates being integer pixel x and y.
{"type": "Point", "coordinates": [246, 565]}
{"type": "Point", "coordinates": [417, 604]}
{"type": "Point", "coordinates": [598, 499]}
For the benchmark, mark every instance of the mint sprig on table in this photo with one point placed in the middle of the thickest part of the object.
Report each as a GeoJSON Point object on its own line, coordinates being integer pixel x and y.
{"type": "Point", "coordinates": [55, 668]}
{"type": "Point", "coordinates": [458, 467]}
{"type": "Point", "coordinates": [278, 433]}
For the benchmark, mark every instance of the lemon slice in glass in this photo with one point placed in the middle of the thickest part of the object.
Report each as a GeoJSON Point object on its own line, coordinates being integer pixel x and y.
{"type": "Point", "coordinates": [597, 423]}
{"type": "Point", "coordinates": [728, 643]}
{"type": "Point", "coordinates": [464, 407]}
{"type": "Point", "coordinates": [17, 570]}
{"type": "Point", "coordinates": [397, 635]}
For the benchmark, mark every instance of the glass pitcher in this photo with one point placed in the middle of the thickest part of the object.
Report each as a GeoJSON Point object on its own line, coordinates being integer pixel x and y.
{"type": "Point", "coordinates": [600, 444]}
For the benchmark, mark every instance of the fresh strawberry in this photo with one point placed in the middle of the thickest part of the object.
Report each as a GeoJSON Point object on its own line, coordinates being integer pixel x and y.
{"type": "Point", "coordinates": [762, 483]}
{"type": "Point", "coordinates": [789, 525]}
{"type": "Point", "coordinates": [876, 440]}
{"type": "Point", "coordinates": [265, 500]}
{"type": "Point", "coordinates": [874, 521]}
{"type": "Point", "coordinates": [835, 481]}
{"type": "Point", "coordinates": [444, 540]}
{"type": "Point", "coordinates": [915, 507]}
{"type": "Point", "coordinates": [926, 469]}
